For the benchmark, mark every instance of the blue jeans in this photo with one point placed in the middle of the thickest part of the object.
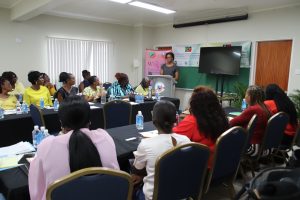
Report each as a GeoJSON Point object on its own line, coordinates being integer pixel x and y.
{"type": "Point", "coordinates": [139, 194]}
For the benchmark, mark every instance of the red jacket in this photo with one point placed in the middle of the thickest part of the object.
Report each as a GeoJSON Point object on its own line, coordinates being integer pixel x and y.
{"type": "Point", "coordinates": [290, 129]}
{"type": "Point", "coordinates": [245, 117]}
{"type": "Point", "coordinates": [189, 127]}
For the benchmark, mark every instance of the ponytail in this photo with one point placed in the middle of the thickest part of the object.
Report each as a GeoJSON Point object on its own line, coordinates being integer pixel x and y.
{"type": "Point", "coordinates": [82, 152]}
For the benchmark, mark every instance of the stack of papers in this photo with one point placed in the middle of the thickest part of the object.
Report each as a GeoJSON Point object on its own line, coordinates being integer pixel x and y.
{"type": "Point", "coordinates": [19, 148]}
{"type": "Point", "coordinates": [94, 107]}
{"type": "Point", "coordinates": [149, 134]}
{"type": "Point", "coordinates": [10, 161]}
{"type": "Point", "coordinates": [10, 112]}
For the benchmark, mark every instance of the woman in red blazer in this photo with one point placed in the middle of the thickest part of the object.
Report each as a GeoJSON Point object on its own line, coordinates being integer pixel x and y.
{"type": "Point", "coordinates": [278, 101]}
{"type": "Point", "coordinates": [255, 99]}
{"type": "Point", "coordinates": [207, 120]}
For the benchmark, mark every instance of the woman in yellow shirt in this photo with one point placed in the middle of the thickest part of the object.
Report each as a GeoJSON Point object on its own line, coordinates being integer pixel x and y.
{"type": "Point", "coordinates": [48, 84]}
{"type": "Point", "coordinates": [17, 87]}
{"type": "Point", "coordinates": [143, 88]}
{"type": "Point", "coordinates": [37, 91]}
{"type": "Point", "coordinates": [93, 92]}
{"type": "Point", "coordinates": [7, 102]}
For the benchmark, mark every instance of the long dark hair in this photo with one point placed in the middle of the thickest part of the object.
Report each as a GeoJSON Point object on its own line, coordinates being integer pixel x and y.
{"type": "Point", "coordinates": [164, 116]}
{"type": "Point", "coordinates": [257, 96]}
{"type": "Point", "coordinates": [74, 114]}
{"type": "Point", "coordinates": [282, 101]}
{"type": "Point", "coordinates": [211, 118]}
{"type": "Point", "coordinates": [145, 83]}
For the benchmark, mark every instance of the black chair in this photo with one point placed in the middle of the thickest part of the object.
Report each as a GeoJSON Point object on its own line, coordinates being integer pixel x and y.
{"type": "Point", "coordinates": [106, 85]}
{"type": "Point", "coordinates": [116, 113]}
{"type": "Point", "coordinates": [180, 172]}
{"type": "Point", "coordinates": [250, 131]}
{"type": "Point", "coordinates": [228, 151]}
{"type": "Point", "coordinates": [36, 115]}
{"type": "Point", "coordinates": [93, 184]}
{"type": "Point", "coordinates": [271, 139]}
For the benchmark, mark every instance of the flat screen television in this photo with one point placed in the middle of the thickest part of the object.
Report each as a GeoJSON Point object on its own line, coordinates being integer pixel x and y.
{"type": "Point", "coordinates": [220, 60]}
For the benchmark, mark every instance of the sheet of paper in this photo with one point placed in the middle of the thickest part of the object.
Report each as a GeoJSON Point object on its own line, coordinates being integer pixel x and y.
{"type": "Point", "coordinates": [94, 107]}
{"type": "Point", "coordinates": [9, 112]}
{"type": "Point", "coordinates": [149, 134]}
{"type": "Point", "coordinates": [133, 103]}
{"type": "Point", "coordinates": [19, 148]}
{"type": "Point", "coordinates": [10, 161]}
{"type": "Point", "coordinates": [91, 103]}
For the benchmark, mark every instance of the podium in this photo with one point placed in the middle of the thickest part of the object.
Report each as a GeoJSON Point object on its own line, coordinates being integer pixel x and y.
{"type": "Point", "coordinates": [164, 84]}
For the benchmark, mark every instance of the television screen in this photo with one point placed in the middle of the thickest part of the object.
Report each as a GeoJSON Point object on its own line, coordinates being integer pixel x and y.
{"type": "Point", "coordinates": [220, 60]}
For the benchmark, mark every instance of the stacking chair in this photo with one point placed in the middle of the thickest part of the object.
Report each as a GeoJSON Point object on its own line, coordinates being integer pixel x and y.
{"type": "Point", "coordinates": [180, 172]}
{"type": "Point", "coordinates": [116, 113]}
{"type": "Point", "coordinates": [36, 115]}
{"type": "Point", "coordinates": [92, 183]}
{"type": "Point", "coordinates": [272, 138]}
{"type": "Point", "coordinates": [228, 151]}
{"type": "Point", "coordinates": [250, 131]}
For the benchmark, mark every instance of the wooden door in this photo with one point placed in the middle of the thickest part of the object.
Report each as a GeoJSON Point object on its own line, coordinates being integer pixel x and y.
{"type": "Point", "coordinates": [273, 63]}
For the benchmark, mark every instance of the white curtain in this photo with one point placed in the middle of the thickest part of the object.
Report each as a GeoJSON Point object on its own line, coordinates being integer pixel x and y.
{"type": "Point", "coordinates": [73, 56]}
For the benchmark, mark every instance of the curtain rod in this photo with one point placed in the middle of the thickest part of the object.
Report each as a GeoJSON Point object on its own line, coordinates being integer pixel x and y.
{"type": "Point", "coordinates": [80, 39]}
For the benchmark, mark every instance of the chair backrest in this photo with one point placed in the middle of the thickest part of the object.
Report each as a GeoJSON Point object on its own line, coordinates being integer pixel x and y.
{"type": "Point", "coordinates": [116, 113]}
{"type": "Point", "coordinates": [180, 172]}
{"type": "Point", "coordinates": [93, 184]}
{"type": "Point", "coordinates": [250, 131]}
{"type": "Point", "coordinates": [106, 85]}
{"type": "Point", "coordinates": [296, 140]}
{"type": "Point", "coordinates": [228, 151]}
{"type": "Point", "coordinates": [36, 115]}
{"type": "Point", "coordinates": [274, 131]}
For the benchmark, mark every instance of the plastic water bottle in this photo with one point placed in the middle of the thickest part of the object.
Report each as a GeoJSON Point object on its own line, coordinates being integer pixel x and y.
{"type": "Point", "coordinates": [20, 97]}
{"type": "Point", "coordinates": [46, 133]}
{"type": "Point", "coordinates": [24, 108]}
{"type": "Point", "coordinates": [142, 98]}
{"type": "Point", "coordinates": [177, 118]}
{"type": "Point", "coordinates": [157, 96]}
{"type": "Point", "coordinates": [42, 103]}
{"type": "Point", "coordinates": [55, 105]}
{"type": "Point", "coordinates": [1, 113]}
{"type": "Point", "coordinates": [103, 96]}
{"type": "Point", "coordinates": [35, 132]}
{"type": "Point", "coordinates": [139, 121]}
{"type": "Point", "coordinates": [40, 136]}
{"type": "Point", "coordinates": [111, 98]}
{"type": "Point", "coordinates": [150, 92]}
{"type": "Point", "coordinates": [18, 108]}
{"type": "Point", "coordinates": [244, 104]}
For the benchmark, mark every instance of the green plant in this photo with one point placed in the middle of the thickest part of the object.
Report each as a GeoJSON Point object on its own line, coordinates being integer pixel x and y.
{"type": "Point", "coordinates": [295, 97]}
{"type": "Point", "coordinates": [240, 91]}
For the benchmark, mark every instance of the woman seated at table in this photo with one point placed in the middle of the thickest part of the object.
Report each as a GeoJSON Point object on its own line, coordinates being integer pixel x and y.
{"type": "Point", "coordinates": [37, 91]}
{"type": "Point", "coordinates": [7, 101]}
{"type": "Point", "coordinates": [93, 92]}
{"type": "Point", "coordinates": [255, 99]}
{"type": "Point", "coordinates": [68, 88]}
{"type": "Point", "coordinates": [17, 86]}
{"type": "Point", "coordinates": [207, 120]}
{"type": "Point", "coordinates": [78, 148]}
{"type": "Point", "coordinates": [122, 87]}
{"type": "Point", "coordinates": [85, 83]}
{"type": "Point", "coordinates": [143, 87]}
{"type": "Point", "coordinates": [164, 117]}
{"type": "Point", "coordinates": [278, 101]}
{"type": "Point", "coordinates": [47, 84]}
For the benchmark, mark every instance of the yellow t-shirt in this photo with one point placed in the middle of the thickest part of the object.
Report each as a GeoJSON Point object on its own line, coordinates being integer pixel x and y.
{"type": "Point", "coordinates": [89, 92]}
{"type": "Point", "coordinates": [8, 103]}
{"type": "Point", "coordinates": [52, 90]}
{"type": "Point", "coordinates": [140, 90]}
{"type": "Point", "coordinates": [32, 96]}
{"type": "Point", "coordinates": [19, 89]}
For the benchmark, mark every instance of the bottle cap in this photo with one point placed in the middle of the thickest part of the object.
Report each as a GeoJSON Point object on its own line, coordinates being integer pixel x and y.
{"type": "Point", "coordinates": [139, 112]}
{"type": "Point", "coordinates": [36, 127]}
{"type": "Point", "coordinates": [46, 131]}
{"type": "Point", "coordinates": [42, 128]}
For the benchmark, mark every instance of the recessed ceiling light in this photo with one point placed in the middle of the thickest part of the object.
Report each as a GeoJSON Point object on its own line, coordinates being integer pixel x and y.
{"type": "Point", "coordinates": [151, 7]}
{"type": "Point", "coordinates": [121, 1]}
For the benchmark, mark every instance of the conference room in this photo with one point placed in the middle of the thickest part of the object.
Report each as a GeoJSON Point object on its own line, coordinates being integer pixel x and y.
{"type": "Point", "coordinates": [149, 99]}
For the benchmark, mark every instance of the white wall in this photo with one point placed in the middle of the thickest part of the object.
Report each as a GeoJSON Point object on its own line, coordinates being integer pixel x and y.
{"type": "Point", "coordinates": [31, 53]}
{"type": "Point", "coordinates": [270, 25]}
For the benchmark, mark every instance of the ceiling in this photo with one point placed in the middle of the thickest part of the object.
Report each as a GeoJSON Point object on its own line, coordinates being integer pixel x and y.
{"type": "Point", "coordinates": [186, 10]}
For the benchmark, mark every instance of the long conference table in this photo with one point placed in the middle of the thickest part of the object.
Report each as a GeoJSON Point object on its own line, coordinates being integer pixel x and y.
{"type": "Point", "coordinates": [15, 128]}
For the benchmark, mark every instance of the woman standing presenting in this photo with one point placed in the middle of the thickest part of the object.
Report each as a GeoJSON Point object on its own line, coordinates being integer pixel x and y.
{"type": "Point", "coordinates": [170, 67]}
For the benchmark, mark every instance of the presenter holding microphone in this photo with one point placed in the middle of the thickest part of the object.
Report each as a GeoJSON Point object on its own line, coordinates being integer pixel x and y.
{"type": "Point", "coordinates": [170, 67]}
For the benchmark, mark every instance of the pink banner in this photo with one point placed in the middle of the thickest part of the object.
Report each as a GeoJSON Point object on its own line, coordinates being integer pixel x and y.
{"type": "Point", "coordinates": [154, 59]}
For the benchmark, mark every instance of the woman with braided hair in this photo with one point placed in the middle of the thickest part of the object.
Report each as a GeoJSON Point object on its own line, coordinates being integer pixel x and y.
{"type": "Point", "coordinates": [255, 98]}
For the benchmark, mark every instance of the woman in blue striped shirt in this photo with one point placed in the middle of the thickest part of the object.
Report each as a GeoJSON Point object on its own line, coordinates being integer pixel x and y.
{"type": "Point", "coordinates": [121, 87]}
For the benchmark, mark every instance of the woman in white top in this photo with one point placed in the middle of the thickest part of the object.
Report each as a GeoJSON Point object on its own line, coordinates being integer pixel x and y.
{"type": "Point", "coordinates": [164, 117]}
{"type": "Point", "coordinates": [78, 148]}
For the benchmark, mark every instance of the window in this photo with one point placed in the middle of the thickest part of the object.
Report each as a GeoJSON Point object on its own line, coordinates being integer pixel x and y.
{"type": "Point", "coordinates": [73, 56]}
